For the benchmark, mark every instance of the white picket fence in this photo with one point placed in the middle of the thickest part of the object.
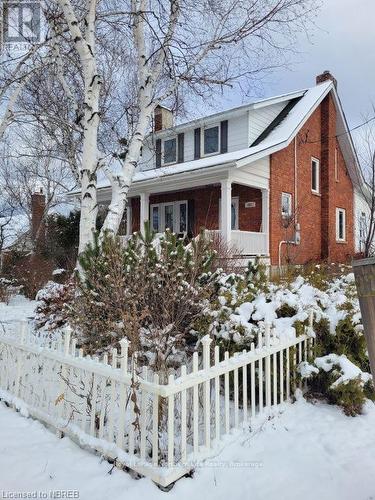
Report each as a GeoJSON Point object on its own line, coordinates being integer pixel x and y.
{"type": "Point", "coordinates": [157, 430]}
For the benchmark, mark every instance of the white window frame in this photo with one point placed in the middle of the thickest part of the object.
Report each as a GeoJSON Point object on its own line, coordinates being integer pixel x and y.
{"type": "Point", "coordinates": [362, 227]}
{"type": "Point", "coordinates": [236, 202]}
{"type": "Point", "coordinates": [176, 215]}
{"type": "Point", "coordinates": [289, 197]}
{"type": "Point", "coordinates": [214, 125]}
{"type": "Point", "coordinates": [315, 161]}
{"type": "Point", "coordinates": [162, 152]}
{"type": "Point", "coordinates": [340, 211]}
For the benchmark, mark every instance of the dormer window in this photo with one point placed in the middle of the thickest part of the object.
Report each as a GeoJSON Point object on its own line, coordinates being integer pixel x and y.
{"type": "Point", "coordinates": [211, 140]}
{"type": "Point", "coordinates": [170, 151]}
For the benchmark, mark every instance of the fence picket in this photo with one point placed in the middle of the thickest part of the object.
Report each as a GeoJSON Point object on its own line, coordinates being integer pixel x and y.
{"type": "Point", "coordinates": [244, 390]}
{"type": "Point", "coordinates": [217, 395]}
{"type": "Point", "coordinates": [195, 407]}
{"type": "Point", "coordinates": [183, 418]}
{"type": "Point", "coordinates": [143, 416]}
{"type": "Point", "coordinates": [252, 374]}
{"type": "Point", "coordinates": [171, 425]}
{"type": "Point", "coordinates": [206, 342]}
{"type": "Point", "coordinates": [111, 408]}
{"type": "Point", "coordinates": [226, 395]}
{"type": "Point", "coordinates": [155, 425]}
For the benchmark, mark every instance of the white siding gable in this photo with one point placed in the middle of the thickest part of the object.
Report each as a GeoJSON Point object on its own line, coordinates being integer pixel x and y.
{"type": "Point", "coordinates": [260, 118]}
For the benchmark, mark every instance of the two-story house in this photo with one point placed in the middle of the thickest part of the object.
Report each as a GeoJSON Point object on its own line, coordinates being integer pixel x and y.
{"type": "Point", "coordinates": [277, 178]}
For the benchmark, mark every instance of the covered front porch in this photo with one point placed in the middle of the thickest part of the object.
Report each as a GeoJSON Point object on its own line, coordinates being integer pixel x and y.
{"type": "Point", "coordinates": [239, 212]}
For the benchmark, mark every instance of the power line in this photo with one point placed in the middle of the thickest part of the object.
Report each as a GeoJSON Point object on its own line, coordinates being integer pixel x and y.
{"type": "Point", "coordinates": [343, 133]}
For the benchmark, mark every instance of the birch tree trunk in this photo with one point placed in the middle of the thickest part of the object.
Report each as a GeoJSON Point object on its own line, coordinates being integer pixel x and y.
{"type": "Point", "coordinates": [85, 45]}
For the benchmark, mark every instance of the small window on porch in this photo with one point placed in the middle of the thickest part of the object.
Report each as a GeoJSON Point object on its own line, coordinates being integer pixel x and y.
{"type": "Point", "coordinates": [234, 213]}
{"type": "Point", "coordinates": [155, 218]}
{"type": "Point", "coordinates": [170, 215]}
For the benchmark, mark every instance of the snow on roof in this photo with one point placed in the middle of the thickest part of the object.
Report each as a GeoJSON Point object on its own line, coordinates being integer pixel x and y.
{"type": "Point", "coordinates": [278, 138]}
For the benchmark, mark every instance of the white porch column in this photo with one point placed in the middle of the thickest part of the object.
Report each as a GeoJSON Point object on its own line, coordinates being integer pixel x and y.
{"type": "Point", "coordinates": [226, 210]}
{"type": "Point", "coordinates": [144, 211]}
{"type": "Point", "coordinates": [129, 217]}
{"type": "Point", "coordinates": [266, 216]}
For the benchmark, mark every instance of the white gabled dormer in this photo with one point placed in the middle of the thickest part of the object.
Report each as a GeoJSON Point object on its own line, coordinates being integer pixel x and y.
{"type": "Point", "coordinates": [216, 134]}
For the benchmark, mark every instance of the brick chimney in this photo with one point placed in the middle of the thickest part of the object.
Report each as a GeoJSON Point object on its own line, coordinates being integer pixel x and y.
{"type": "Point", "coordinates": [163, 118]}
{"type": "Point", "coordinates": [38, 205]}
{"type": "Point", "coordinates": [325, 76]}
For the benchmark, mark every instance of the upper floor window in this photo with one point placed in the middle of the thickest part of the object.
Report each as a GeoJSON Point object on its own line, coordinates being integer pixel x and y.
{"type": "Point", "coordinates": [336, 167]}
{"type": "Point", "coordinates": [315, 174]}
{"type": "Point", "coordinates": [170, 151]}
{"type": "Point", "coordinates": [211, 140]}
{"type": "Point", "coordinates": [340, 224]}
{"type": "Point", "coordinates": [286, 204]}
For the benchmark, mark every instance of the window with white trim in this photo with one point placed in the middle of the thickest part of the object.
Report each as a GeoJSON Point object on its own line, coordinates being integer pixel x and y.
{"type": "Point", "coordinates": [171, 215]}
{"type": "Point", "coordinates": [315, 175]}
{"type": "Point", "coordinates": [286, 204]}
{"type": "Point", "coordinates": [362, 227]}
{"type": "Point", "coordinates": [340, 224]}
{"type": "Point", "coordinates": [210, 140]}
{"type": "Point", "coordinates": [170, 151]}
{"type": "Point", "coordinates": [234, 213]}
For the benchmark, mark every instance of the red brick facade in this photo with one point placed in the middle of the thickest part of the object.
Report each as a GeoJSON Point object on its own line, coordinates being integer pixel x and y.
{"type": "Point", "coordinates": [316, 213]}
{"type": "Point", "coordinates": [206, 206]}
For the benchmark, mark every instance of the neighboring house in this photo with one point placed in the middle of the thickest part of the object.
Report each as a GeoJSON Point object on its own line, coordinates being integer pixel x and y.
{"type": "Point", "coordinates": [21, 232]}
{"type": "Point", "coordinates": [277, 178]}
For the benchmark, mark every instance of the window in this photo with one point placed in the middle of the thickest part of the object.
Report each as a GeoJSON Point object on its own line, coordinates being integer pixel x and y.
{"type": "Point", "coordinates": [234, 213]}
{"type": "Point", "coordinates": [155, 218]}
{"type": "Point", "coordinates": [170, 151]}
{"type": "Point", "coordinates": [168, 217]}
{"type": "Point", "coordinates": [210, 140]}
{"type": "Point", "coordinates": [315, 175]}
{"type": "Point", "coordinates": [171, 215]}
{"type": "Point", "coordinates": [286, 204]}
{"type": "Point", "coordinates": [362, 227]}
{"type": "Point", "coordinates": [336, 167]}
{"type": "Point", "coordinates": [340, 224]}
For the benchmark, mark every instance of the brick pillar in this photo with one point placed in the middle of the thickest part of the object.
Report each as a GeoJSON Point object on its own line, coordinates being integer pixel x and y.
{"type": "Point", "coordinates": [327, 169]}
{"type": "Point", "coordinates": [38, 205]}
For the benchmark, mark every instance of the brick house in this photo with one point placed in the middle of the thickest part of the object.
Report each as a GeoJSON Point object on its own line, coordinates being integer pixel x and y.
{"type": "Point", "coordinates": [277, 178]}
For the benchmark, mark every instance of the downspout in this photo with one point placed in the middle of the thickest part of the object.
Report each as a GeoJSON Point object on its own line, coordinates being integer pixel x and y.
{"type": "Point", "coordinates": [297, 235]}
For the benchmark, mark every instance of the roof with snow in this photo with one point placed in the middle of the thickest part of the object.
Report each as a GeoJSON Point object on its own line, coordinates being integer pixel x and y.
{"type": "Point", "coordinates": [299, 106]}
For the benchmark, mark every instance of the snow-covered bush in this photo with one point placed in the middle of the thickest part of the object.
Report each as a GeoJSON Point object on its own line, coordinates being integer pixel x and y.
{"type": "Point", "coordinates": [150, 292]}
{"type": "Point", "coordinates": [53, 302]}
{"type": "Point", "coordinates": [340, 381]}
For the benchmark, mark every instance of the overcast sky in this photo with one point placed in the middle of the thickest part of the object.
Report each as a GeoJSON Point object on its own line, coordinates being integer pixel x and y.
{"type": "Point", "coordinates": [344, 43]}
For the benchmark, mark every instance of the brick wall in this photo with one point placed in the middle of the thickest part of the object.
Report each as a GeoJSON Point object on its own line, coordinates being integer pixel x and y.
{"type": "Point", "coordinates": [206, 203]}
{"type": "Point", "coordinates": [316, 213]}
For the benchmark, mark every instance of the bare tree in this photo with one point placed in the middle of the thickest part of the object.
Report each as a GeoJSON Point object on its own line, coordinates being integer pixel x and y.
{"type": "Point", "coordinates": [112, 62]}
{"type": "Point", "coordinates": [366, 188]}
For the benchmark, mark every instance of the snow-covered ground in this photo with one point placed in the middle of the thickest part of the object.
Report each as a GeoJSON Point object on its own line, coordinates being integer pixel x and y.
{"type": "Point", "coordinates": [19, 308]}
{"type": "Point", "coordinates": [305, 452]}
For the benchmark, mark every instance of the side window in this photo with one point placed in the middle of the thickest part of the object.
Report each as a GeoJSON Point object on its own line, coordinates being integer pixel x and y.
{"type": "Point", "coordinates": [340, 224]}
{"type": "Point", "coordinates": [286, 204]}
{"type": "Point", "coordinates": [315, 176]}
